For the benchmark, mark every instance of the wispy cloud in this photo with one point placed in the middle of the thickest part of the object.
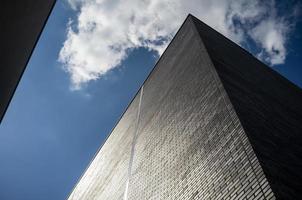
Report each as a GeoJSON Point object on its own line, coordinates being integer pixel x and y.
{"type": "Point", "coordinates": [107, 30]}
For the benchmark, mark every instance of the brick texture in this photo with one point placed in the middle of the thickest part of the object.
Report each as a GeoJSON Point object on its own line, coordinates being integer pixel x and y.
{"type": "Point", "coordinates": [269, 108]}
{"type": "Point", "coordinates": [206, 129]}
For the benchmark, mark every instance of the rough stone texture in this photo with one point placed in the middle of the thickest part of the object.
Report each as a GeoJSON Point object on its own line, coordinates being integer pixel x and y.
{"type": "Point", "coordinates": [21, 24]}
{"type": "Point", "coordinates": [269, 108]}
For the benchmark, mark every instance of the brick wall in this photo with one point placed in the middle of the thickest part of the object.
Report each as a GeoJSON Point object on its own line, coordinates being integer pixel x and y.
{"type": "Point", "coordinates": [188, 140]}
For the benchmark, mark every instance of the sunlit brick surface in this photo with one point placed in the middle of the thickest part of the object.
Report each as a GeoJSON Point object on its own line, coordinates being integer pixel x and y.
{"type": "Point", "coordinates": [190, 142]}
{"type": "Point", "coordinates": [106, 176]}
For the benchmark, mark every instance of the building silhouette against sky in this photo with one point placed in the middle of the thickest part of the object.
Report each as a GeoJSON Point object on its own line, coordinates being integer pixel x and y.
{"type": "Point", "coordinates": [210, 122]}
{"type": "Point", "coordinates": [22, 23]}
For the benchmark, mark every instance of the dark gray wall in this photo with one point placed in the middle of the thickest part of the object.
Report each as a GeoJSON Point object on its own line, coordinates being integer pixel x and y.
{"type": "Point", "coordinates": [21, 23]}
{"type": "Point", "coordinates": [269, 108]}
{"type": "Point", "coordinates": [188, 142]}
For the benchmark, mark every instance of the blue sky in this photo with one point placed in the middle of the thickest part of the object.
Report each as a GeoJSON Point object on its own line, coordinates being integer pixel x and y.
{"type": "Point", "coordinates": [54, 124]}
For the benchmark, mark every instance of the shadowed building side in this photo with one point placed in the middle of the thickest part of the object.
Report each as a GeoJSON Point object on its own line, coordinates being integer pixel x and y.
{"type": "Point", "coordinates": [269, 108]}
{"type": "Point", "coordinates": [21, 25]}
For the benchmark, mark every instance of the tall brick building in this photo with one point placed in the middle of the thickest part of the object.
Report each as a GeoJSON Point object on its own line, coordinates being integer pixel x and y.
{"type": "Point", "coordinates": [210, 122]}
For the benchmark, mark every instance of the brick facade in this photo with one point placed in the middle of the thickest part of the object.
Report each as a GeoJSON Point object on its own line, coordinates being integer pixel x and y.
{"type": "Point", "coordinates": [181, 136]}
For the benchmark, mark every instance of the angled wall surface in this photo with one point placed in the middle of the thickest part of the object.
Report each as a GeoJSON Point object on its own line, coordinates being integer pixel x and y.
{"type": "Point", "coordinates": [187, 134]}
{"type": "Point", "coordinates": [21, 25]}
{"type": "Point", "coordinates": [269, 108]}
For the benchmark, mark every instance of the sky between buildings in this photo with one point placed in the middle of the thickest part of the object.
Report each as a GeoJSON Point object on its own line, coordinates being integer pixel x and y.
{"type": "Point", "coordinates": [89, 63]}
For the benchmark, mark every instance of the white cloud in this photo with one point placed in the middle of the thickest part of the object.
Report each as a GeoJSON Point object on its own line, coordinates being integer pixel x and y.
{"type": "Point", "coordinates": [272, 37]}
{"type": "Point", "coordinates": [107, 30]}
